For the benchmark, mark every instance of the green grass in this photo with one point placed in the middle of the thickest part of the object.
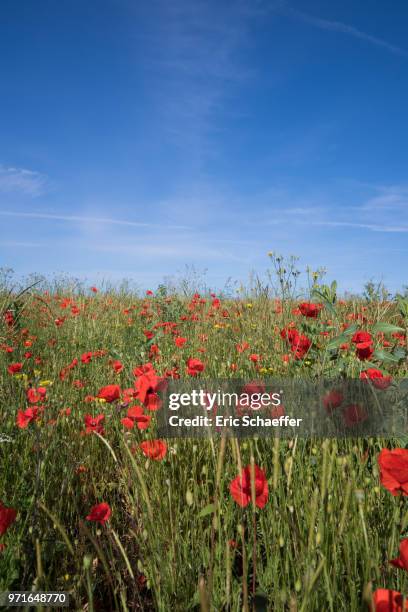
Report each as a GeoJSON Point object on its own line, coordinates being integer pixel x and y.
{"type": "Point", "coordinates": [176, 540]}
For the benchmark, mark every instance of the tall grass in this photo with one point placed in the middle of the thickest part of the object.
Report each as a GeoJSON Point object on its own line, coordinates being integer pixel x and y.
{"type": "Point", "coordinates": [176, 540]}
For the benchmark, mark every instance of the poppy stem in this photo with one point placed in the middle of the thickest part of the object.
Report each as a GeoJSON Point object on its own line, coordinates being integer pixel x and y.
{"type": "Point", "coordinates": [253, 495]}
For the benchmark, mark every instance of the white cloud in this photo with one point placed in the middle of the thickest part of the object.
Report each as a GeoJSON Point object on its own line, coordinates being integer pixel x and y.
{"type": "Point", "coordinates": [22, 181]}
{"type": "Point", "coordinates": [338, 26]}
{"type": "Point", "coordinates": [89, 220]}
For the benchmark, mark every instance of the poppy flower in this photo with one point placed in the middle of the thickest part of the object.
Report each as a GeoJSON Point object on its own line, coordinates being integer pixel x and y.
{"type": "Point", "coordinates": [36, 396]}
{"type": "Point", "coordinates": [155, 449]}
{"type": "Point", "coordinates": [117, 366]}
{"type": "Point", "coordinates": [7, 517]}
{"type": "Point", "coordinates": [242, 347]}
{"type": "Point", "coordinates": [14, 368]}
{"type": "Point", "coordinates": [110, 393]}
{"type": "Point", "coordinates": [240, 487]}
{"type": "Point", "coordinates": [310, 310]}
{"type": "Point", "coordinates": [361, 336]}
{"type": "Point", "coordinates": [290, 334]}
{"type": "Point", "coordinates": [364, 350]}
{"type": "Point", "coordinates": [332, 400]}
{"type": "Point", "coordinates": [179, 341]}
{"type": "Point", "coordinates": [386, 600]}
{"type": "Point", "coordinates": [99, 513]}
{"type": "Point", "coordinates": [402, 561]}
{"type": "Point", "coordinates": [94, 423]}
{"type": "Point", "coordinates": [194, 366]}
{"type": "Point", "coordinates": [135, 415]}
{"type": "Point", "coordinates": [24, 417]}
{"type": "Point", "coordinates": [393, 466]}
{"type": "Point", "coordinates": [376, 377]}
{"type": "Point", "coordinates": [300, 346]}
{"type": "Point", "coordinates": [354, 414]}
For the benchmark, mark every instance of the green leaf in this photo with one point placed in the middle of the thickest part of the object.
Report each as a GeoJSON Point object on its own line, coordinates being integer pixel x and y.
{"type": "Point", "coordinates": [386, 328]}
{"type": "Point", "coordinates": [207, 510]}
{"type": "Point", "coordinates": [325, 301]}
{"type": "Point", "coordinates": [344, 337]}
{"type": "Point", "coordinates": [399, 352]}
{"type": "Point", "coordinates": [384, 356]}
{"type": "Point", "coordinates": [336, 342]}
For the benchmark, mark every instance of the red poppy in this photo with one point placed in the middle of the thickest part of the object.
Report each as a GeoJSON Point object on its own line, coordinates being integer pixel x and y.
{"type": "Point", "coordinates": [86, 357]}
{"type": "Point", "coordinates": [155, 449]}
{"type": "Point", "coordinates": [194, 366]}
{"type": "Point", "coordinates": [36, 396]}
{"type": "Point", "coordinates": [354, 414]}
{"type": "Point", "coordinates": [25, 417]}
{"type": "Point", "coordinates": [94, 423]}
{"type": "Point", "coordinates": [7, 517]}
{"type": "Point", "coordinates": [310, 310]}
{"type": "Point", "coordinates": [394, 470]}
{"type": "Point", "coordinates": [14, 368]}
{"type": "Point", "coordinates": [361, 336]}
{"type": "Point", "coordinates": [100, 513]}
{"type": "Point", "coordinates": [332, 400]}
{"type": "Point", "coordinates": [376, 377]}
{"type": "Point", "coordinates": [179, 341]}
{"type": "Point", "coordinates": [242, 347]}
{"type": "Point", "coordinates": [110, 393]}
{"type": "Point", "coordinates": [402, 560]}
{"type": "Point", "coordinates": [386, 600]}
{"type": "Point", "coordinates": [290, 334]}
{"type": "Point", "coordinates": [117, 366]}
{"type": "Point", "coordinates": [240, 487]}
{"type": "Point", "coordinates": [300, 346]}
{"type": "Point", "coordinates": [364, 350]}
{"type": "Point", "coordinates": [136, 415]}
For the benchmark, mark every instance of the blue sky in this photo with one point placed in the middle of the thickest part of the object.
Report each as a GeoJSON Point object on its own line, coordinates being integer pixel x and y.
{"type": "Point", "coordinates": [138, 137]}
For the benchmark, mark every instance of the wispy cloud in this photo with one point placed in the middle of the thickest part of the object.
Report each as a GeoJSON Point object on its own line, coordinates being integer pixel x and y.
{"type": "Point", "coordinates": [368, 226]}
{"type": "Point", "coordinates": [90, 220]}
{"type": "Point", "coordinates": [193, 58]}
{"type": "Point", "coordinates": [388, 198]}
{"type": "Point", "coordinates": [20, 244]}
{"type": "Point", "coordinates": [338, 26]}
{"type": "Point", "coordinates": [22, 181]}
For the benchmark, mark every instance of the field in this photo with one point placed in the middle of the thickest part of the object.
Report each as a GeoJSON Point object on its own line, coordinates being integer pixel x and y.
{"type": "Point", "coordinates": [89, 506]}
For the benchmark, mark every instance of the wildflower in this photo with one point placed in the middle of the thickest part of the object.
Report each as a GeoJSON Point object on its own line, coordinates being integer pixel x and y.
{"type": "Point", "coordinates": [179, 341]}
{"type": "Point", "coordinates": [354, 414]}
{"type": "Point", "coordinates": [14, 368]}
{"type": "Point", "coordinates": [364, 350]}
{"type": "Point", "coordinates": [310, 310]}
{"type": "Point", "coordinates": [94, 423]}
{"type": "Point", "coordinates": [110, 393]}
{"type": "Point", "coordinates": [194, 366]}
{"type": "Point", "coordinates": [24, 418]}
{"type": "Point", "coordinates": [136, 415]}
{"type": "Point", "coordinates": [240, 487]}
{"type": "Point", "coordinates": [402, 561]}
{"type": "Point", "coordinates": [100, 513]}
{"type": "Point", "coordinates": [7, 517]}
{"type": "Point", "coordinates": [376, 377]}
{"type": "Point", "coordinates": [393, 466]}
{"type": "Point", "coordinates": [386, 600]}
{"type": "Point", "coordinates": [155, 449]}
{"type": "Point", "coordinates": [332, 400]}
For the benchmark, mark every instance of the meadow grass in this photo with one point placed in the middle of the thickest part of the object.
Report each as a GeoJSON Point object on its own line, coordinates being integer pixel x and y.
{"type": "Point", "coordinates": [176, 540]}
